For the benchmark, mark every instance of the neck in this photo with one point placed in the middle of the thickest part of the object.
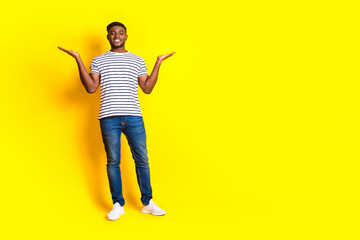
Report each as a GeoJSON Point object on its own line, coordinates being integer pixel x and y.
{"type": "Point", "coordinates": [119, 49]}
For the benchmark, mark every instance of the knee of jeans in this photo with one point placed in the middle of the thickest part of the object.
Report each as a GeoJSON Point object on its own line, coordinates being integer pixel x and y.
{"type": "Point", "coordinates": [142, 162]}
{"type": "Point", "coordinates": [113, 161]}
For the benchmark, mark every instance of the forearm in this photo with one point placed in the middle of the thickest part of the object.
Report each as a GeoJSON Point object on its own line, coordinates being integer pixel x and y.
{"type": "Point", "coordinates": [152, 79]}
{"type": "Point", "coordinates": [86, 79]}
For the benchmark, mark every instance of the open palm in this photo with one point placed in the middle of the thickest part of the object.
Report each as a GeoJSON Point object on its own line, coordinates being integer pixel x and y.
{"type": "Point", "coordinates": [163, 57]}
{"type": "Point", "coordinates": [70, 52]}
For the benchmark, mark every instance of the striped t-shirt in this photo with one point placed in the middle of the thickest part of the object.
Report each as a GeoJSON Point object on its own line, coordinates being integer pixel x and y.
{"type": "Point", "coordinates": [119, 74]}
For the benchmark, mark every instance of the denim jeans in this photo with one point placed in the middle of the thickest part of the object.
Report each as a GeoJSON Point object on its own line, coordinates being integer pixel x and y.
{"type": "Point", "coordinates": [134, 130]}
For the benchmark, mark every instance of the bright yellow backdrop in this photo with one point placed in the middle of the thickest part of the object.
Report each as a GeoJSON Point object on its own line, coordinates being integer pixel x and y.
{"type": "Point", "coordinates": [253, 126]}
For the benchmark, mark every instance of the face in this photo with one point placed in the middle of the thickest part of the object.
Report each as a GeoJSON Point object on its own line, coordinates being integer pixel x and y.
{"type": "Point", "coordinates": [117, 36]}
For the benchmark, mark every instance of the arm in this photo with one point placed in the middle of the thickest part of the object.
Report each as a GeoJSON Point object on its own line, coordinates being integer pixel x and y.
{"type": "Point", "coordinates": [90, 81]}
{"type": "Point", "coordinates": [147, 83]}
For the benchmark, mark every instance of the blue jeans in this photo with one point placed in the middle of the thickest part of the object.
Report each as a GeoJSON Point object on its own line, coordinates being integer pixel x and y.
{"type": "Point", "coordinates": [134, 130]}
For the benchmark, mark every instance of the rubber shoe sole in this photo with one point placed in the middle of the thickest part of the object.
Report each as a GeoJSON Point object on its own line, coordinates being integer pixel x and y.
{"type": "Point", "coordinates": [155, 214]}
{"type": "Point", "coordinates": [112, 219]}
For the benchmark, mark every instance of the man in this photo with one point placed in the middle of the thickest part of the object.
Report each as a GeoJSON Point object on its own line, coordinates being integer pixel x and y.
{"type": "Point", "coordinates": [119, 72]}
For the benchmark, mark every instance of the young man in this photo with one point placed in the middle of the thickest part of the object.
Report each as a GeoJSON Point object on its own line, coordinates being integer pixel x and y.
{"type": "Point", "coordinates": [119, 72]}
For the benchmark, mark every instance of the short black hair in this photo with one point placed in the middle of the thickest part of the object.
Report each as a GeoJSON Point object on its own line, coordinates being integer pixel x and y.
{"type": "Point", "coordinates": [115, 24]}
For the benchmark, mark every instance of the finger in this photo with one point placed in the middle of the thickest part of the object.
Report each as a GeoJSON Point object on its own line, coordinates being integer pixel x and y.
{"type": "Point", "coordinates": [170, 54]}
{"type": "Point", "coordinates": [63, 49]}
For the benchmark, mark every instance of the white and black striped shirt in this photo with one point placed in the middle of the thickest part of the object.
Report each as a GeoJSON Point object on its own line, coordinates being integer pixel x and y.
{"type": "Point", "coordinates": [119, 74]}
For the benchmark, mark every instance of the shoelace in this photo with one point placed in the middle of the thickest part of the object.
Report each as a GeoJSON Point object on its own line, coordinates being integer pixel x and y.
{"type": "Point", "coordinates": [155, 205]}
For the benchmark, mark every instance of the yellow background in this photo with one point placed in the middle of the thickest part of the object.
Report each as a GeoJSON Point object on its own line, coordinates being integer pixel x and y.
{"type": "Point", "coordinates": [253, 126]}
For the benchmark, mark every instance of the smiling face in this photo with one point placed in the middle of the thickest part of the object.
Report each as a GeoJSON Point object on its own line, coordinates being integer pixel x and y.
{"type": "Point", "coordinates": [117, 37]}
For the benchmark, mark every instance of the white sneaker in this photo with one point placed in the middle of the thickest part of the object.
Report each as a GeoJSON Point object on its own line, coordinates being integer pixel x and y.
{"type": "Point", "coordinates": [116, 212]}
{"type": "Point", "coordinates": [153, 209]}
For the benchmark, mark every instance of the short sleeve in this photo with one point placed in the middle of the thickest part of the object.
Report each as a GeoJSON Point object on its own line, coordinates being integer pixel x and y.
{"type": "Point", "coordinates": [143, 69]}
{"type": "Point", "coordinates": [94, 67]}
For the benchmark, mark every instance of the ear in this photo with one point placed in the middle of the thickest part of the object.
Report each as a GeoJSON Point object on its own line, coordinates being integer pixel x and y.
{"type": "Point", "coordinates": [107, 37]}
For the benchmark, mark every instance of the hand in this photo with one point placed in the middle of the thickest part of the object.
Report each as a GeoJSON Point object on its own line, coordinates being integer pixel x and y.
{"type": "Point", "coordinates": [70, 52]}
{"type": "Point", "coordinates": [163, 57]}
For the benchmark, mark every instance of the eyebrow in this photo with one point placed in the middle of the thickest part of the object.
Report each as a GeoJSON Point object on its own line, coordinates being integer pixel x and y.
{"type": "Point", "coordinates": [115, 31]}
